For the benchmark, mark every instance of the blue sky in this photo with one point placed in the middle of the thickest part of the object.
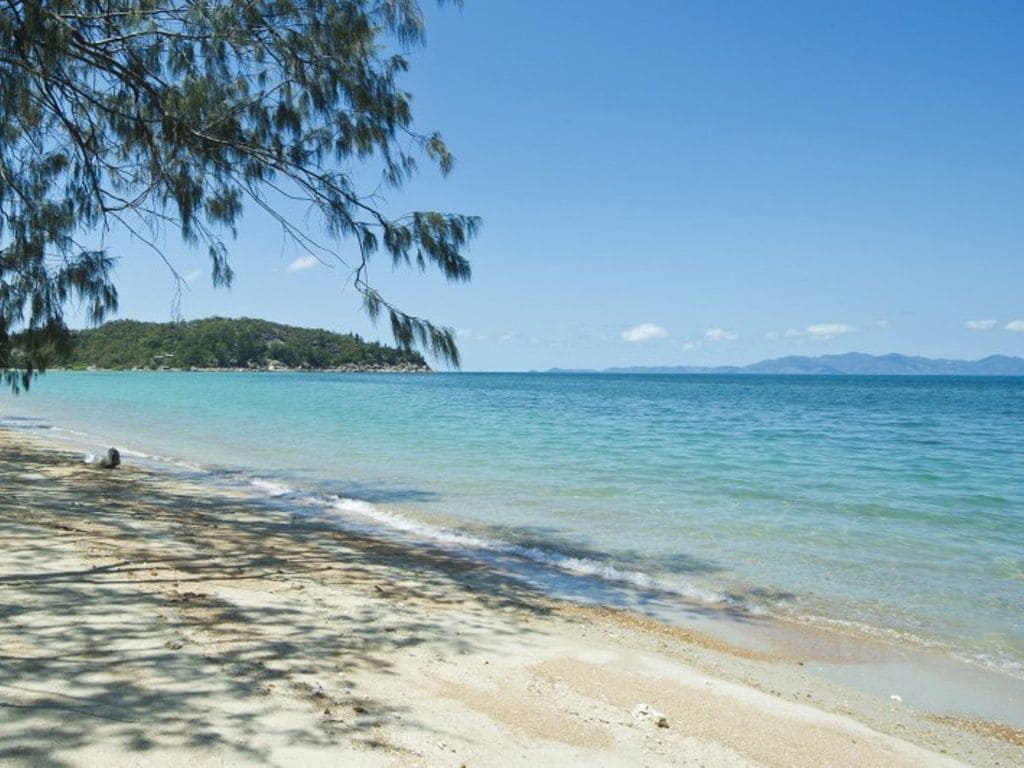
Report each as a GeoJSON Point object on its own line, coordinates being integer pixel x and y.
{"type": "Point", "coordinates": [691, 183]}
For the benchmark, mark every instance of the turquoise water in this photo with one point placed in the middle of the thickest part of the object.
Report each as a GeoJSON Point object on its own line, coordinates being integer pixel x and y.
{"type": "Point", "coordinates": [891, 505]}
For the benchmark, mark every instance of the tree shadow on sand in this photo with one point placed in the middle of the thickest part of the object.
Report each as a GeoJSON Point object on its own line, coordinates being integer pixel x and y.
{"type": "Point", "coordinates": [135, 650]}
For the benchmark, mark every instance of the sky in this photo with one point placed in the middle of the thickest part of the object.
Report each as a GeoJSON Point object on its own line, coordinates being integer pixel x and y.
{"type": "Point", "coordinates": [688, 183]}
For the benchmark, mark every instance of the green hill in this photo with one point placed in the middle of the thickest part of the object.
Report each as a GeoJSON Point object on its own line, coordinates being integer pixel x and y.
{"type": "Point", "coordinates": [225, 343]}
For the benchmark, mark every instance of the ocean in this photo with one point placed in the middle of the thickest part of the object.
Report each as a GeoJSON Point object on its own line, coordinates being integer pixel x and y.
{"type": "Point", "coordinates": [889, 507]}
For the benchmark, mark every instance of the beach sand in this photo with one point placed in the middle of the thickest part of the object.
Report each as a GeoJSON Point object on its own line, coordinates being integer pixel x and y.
{"type": "Point", "coordinates": [146, 620]}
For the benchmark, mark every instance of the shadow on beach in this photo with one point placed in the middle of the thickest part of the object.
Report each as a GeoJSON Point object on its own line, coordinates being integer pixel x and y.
{"type": "Point", "coordinates": [112, 632]}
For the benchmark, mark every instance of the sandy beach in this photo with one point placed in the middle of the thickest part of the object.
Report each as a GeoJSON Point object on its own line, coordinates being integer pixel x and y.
{"type": "Point", "coordinates": [150, 621]}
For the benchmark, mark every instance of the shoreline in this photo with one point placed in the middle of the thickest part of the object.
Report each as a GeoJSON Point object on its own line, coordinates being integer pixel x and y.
{"type": "Point", "coordinates": [251, 600]}
{"type": "Point", "coordinates": [932, 674]}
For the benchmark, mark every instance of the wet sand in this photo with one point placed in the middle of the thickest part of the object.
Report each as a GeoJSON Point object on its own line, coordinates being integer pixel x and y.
{"type": "Point", "coordinates": [148, 620]}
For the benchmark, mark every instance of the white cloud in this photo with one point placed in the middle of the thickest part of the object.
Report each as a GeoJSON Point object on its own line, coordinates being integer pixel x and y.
{"type": "Point", "coordinates": [1017, 326]}
{"type": "Point", "coordinates": [301, 263]}
{"type": "Point", "coordinates": [719, 334]}
{"type": "Point", "coordinates": [771, 335]}
{"type": "Point", "coordinates": [644, 332]}
{"type": "Point", "coordinates": [821, 331]}
{"type": "Point", "coordinates": [689, 346]}
{"type": "Point", "coordinates": [828, 330]}
{"type": "Point", "coordinates": [463, 333]}
{"type": "Point", "coordinates": [883, 324]}
{"type": "Point", "coordinates": [506, 337]}
{"type": "Point", "coordinates": [191, 276]}
{"type": "Point", "coordinates": [980, 325]}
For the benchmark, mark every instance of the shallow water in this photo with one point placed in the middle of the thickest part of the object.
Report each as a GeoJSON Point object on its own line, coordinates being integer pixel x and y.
{"type": "Point", "coordinates": [889, 506]}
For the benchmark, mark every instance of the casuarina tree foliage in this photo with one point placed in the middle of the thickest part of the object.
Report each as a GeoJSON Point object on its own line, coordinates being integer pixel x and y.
{"type": "Point", "coordinates": [172, 116]}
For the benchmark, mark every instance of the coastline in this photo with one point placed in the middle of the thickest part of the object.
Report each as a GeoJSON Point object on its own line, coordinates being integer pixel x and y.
{"type": "Point", "coordinates": [153, 618]}
{"type": "Point", "coordinates": [270, 368]}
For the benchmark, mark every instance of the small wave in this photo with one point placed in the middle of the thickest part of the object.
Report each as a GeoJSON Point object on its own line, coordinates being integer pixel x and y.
{"type": "Point", "coordinates": [858, 628]}
{"type": "Point", "coordinates": [1009, 667]}
{"type": "Point", "coordinates": [472, 544]}
{"type": "Point", "coordinates": [271, 488]}
{"type": "Point", "coordinates": [901, 637]}
{"type": "Point", "coordinates": [68, 431]}
{"type": "Point", "coordinates": [365, 517]}
{"type": "Point", "coordinates": [165, 461]}
{"type": "Point", "coordinates": [23, 423]}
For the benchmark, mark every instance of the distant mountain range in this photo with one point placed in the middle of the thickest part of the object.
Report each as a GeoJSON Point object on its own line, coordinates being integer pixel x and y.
{"type": "Point", "coordinates": [850, 364]}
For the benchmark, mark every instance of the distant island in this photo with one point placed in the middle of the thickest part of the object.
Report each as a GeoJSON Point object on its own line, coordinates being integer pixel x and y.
{"type": "Point", "coordinates": [850, 364]}
{"type": "Point", "coordinates": [218, 343]}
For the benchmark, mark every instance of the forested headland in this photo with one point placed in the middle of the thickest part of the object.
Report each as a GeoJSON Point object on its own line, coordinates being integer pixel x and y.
{"type": "Point", "coordinates": [230, 344]}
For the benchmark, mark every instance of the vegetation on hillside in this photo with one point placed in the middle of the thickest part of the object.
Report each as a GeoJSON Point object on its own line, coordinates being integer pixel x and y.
{"type": "Point", "coordinates": [225, 343]}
